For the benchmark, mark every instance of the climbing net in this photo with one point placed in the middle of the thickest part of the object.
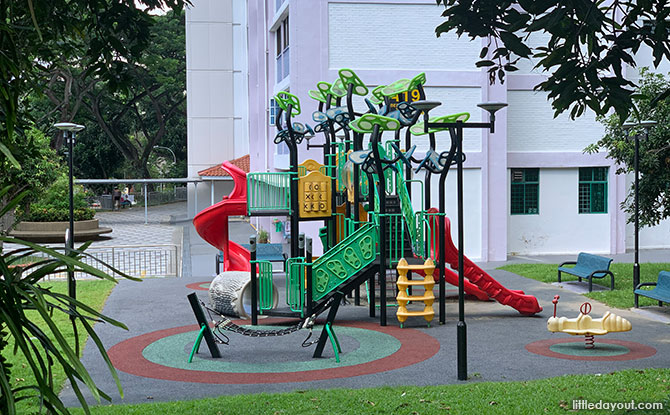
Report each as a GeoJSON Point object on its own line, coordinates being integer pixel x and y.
{"type": "Point", "coordinates": [226, 324]}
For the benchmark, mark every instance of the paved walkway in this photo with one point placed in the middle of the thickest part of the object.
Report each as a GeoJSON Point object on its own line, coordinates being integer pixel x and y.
{"type": "Point", "coordinates": [502, 344]}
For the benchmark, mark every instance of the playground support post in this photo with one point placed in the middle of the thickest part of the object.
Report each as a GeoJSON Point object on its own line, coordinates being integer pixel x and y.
{"type": "Point", "coordinates": [308, 277]}
{"type": "Point", "coordinates": [374, 139]}
{"type": "Point", "coordinates": [254, 280]}
{"type": "Point", "coordinates": [293, 159]}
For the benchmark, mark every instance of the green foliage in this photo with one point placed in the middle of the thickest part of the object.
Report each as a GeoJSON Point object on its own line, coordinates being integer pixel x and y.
{"type": "Point", "coordinates": [124, 125]}
{"type": "Point", "coordinates": [654, 191]}
{"type": "Point", "coordinates": [37, 34]}
{"type": "Point", "coordinates": [620, 297]}
{"type": "Point", "coordinates": [46, 31]}
{"type": "Point", "coordinates": [43, 346]}
{"type": "Point", "coordinates": [54, 204]}
{"type": "Point", "coordinates": [544, 396]}
{"type": "Point", "coordinates": [39, 213]}
{"type": "Point", "coordinates": [40, 165]}
{"type": "Point", "coordinates": [57, 195]}
{"type": "Point", "coordinates": [90, 292]}
{"type": "Point", "coordinates": [589, 45]}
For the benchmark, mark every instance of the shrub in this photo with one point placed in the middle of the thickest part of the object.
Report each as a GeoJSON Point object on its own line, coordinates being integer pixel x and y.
{"type": "Point", "coordinates": [54, 204]}
{"type": "Point", "coordinates": [42, 213]}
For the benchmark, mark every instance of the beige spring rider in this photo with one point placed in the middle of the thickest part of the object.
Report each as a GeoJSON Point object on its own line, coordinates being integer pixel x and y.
{"type": "Point", "coordinates": [584, 325]}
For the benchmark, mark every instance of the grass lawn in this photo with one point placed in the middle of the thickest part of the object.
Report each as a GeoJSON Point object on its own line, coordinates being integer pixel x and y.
{"type": "Point", "coordinates": [547, 396]}
{"type": "Point", "coordinates": [91, 292]}
{"type": "Point", "coordinates": [621, 297]}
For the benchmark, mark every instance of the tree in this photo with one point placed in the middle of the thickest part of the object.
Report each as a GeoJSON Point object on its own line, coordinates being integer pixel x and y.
{"type": "Point", "coordinates": [155, 101]}
{"type": "Point", "coordinates": [39, 168]}
{"type": "Point", "coordinates": [654, 191]}
{"type": "Point", "coordinates": [44, 30]}
{"type": "Point", "coordinates": [590, 42]}
{"type": "Point", "coordinates": [33, 32]}
{"type": "Point", "coordinates": [122, 125]}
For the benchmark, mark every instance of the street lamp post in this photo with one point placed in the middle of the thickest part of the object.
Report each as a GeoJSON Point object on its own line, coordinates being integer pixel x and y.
{"type": "Point", "coordinates": [456, 132]}
{"type": "Point", "coordinates": [636, 166]}
{"type": "Point", "coordinates": [69, 131]}
{"type": "Point", "coordinates": [174, 158]}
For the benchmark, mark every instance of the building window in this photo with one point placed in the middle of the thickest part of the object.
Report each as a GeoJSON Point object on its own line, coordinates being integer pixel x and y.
{"type": "Point", "coordinates": [282, 45]}
{"type": "Point", "coordinates": [525, 191]}
{"type": "Point", "coordinates": [278, 4]}
{"type": "Point", "coordinates": [593, 189]}
{"type": "Point", "coordinates": [274, 110]}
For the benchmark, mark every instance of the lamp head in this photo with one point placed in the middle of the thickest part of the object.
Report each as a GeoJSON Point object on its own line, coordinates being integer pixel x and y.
{"type": "Point", "coordinates": [425, 105]}
{"type": "Point", "coordinates": [68, 126]}
{"type": "Point", "coordinates": [647, 124]}
{"type": "Point", "coordinates": [492, 107]}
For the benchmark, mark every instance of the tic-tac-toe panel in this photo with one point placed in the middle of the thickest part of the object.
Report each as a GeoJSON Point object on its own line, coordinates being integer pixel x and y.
{"type": "Point", "coordinates": [314, 196]}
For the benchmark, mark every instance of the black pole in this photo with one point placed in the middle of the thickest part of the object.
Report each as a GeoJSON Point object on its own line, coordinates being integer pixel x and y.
{"type": "Point", "coordinates": [461, 328]}
{"type": "Point", "coordinates": [293, 159]}
{"type": "Point", "coordinates": [254, 280]}
{"type": "Point", "coordinates": [301, 245]}
{"type": "Point", "coordinates": [71, 281]}
{"type": "Point", "coordinates": [442, 263]}
{"type": "Point", "coordinates": [381, 188]}
{"type": "Point", "coordinates": [308, 277]}
{"type": "Point", "coordinates": [371, 281]}
{"type": "Point", "coordinates": [330, 141]}
{"type": "Point", "coordinates": [636, 265]}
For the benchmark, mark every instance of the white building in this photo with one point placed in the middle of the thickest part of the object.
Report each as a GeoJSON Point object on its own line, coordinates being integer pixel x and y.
{"type": "Point", "coordinates": [530, 189]}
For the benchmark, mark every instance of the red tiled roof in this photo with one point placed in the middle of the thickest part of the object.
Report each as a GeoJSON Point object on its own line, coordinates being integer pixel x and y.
{"type": "Point", "coordinates": [218, 171]}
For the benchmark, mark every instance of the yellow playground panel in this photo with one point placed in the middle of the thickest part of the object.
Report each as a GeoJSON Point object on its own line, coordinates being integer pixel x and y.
{"type": "Point", "coordinates": [315, 189]}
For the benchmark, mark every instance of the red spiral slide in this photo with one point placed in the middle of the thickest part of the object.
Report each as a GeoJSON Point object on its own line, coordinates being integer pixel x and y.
{"type": "Point", "coordinates": [212, 223]}
{"type": "Point", "coordinates": [524, 303]}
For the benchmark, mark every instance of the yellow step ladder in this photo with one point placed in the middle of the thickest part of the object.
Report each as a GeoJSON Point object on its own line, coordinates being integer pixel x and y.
{"type": "Point", "coordinates": [427, 297]}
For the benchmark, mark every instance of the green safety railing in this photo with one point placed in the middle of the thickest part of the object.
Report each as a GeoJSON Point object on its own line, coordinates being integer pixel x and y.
{"type": "Point", "coordinates": [295, 282]}
{"type": "Point", "coordinates": [396, 229]}
{"type": "Point", "coordinates": [344, 260]}
{"type": "Point", "coordinates": [265, 285]}
{"type": "Point", "coordinates": [429, 223]}
{"type": "Point", "coordinates": [406, 206]}
{"type": "Point", "coordinates": [269, 191]}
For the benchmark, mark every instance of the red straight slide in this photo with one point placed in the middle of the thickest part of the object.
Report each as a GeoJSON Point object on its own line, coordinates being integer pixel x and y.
{"type": "Point", "coordinates": [523, 303]}
{"type": "Point", "coordinates": [212, 223]}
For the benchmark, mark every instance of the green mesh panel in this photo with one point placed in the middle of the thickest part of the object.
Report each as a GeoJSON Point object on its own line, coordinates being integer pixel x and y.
{"type": "Point", "coordinates": [344, 260]}
{"type": "Point", "coordinates": [265, 285]}
{"type": "Point", "coordinates": [295, 275]}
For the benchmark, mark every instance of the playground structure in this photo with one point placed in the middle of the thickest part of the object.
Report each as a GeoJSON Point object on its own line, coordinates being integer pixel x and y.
{"type": "Point", "coordinates": [365, 194]}
{"type": "Point", "coordinates": [584, 325]}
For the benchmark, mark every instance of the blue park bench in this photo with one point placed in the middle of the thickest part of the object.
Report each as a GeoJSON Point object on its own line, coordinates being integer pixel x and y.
{"type": "Point", "coordinates": [661, 291]}
{"type": "Point", "coordinates": [588, 266]}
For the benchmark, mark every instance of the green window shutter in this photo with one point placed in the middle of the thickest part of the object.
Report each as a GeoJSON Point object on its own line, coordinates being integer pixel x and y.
{"type": "Point", "coordinates": [525, 192]}
{"type": "Point", "coordinates": [592, 190]}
